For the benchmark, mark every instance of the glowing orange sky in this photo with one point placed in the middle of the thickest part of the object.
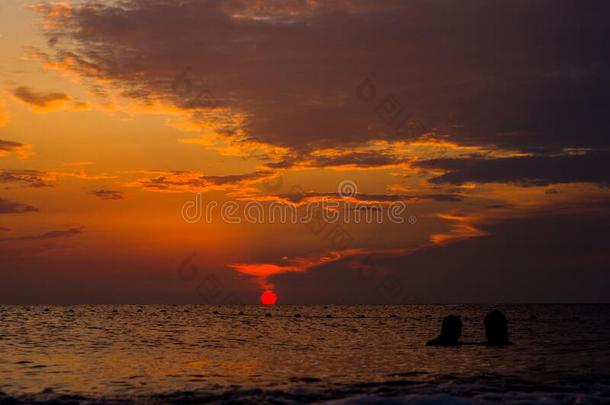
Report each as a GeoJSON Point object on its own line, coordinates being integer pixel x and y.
{"type": "Point", "coordinates": [101, 148]}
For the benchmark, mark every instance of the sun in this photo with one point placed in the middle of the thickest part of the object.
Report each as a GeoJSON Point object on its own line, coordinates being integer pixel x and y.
{"type": "Point", "coordinates": [268, 298]}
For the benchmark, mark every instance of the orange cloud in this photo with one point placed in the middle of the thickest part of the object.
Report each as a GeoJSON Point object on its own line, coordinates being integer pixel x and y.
{"type": "Point", "coordinates": [80, 106]}
{"type": "Point", "coordinates": [82, 175]}
{"type": "Point", "coordinates": [190, 181]}
{"type": "Point", "coordinates": [108, 194]}
{"type": "Point", "coordinates": [463, 228]}
{"type": "Point", "coordinates": [40, 101]}
{"type": "Point", "coordinates": [241, 145]}
{"type": "Point", "coordinates": [77, 164]}
{"type": "Point", "coordinates": [54, 15]}
{"type": "Point", "coordinates": [12, 207]}
{"type": "Point", "coordinates": [382, 154]}
{"type": "Point", "coordinates": [26, 178]}
{"type": "Point", "coordinates": [262, 271]}
{"type": "Point", "coordinates": [7, 147]}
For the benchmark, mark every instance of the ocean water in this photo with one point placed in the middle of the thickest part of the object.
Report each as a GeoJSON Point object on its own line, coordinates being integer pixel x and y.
{"type": "Point", "coordinates": [336, 354]}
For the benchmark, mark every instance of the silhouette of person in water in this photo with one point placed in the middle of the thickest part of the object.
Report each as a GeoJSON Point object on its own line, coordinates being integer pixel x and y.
{"type": "Point", "coordinates": [496, 329]}
{"type": "Point", "coordinates": [451, 330]}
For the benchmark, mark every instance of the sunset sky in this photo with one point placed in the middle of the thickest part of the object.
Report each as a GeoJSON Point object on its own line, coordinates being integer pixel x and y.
{"type": "Point", "coordinates": [488, 119]}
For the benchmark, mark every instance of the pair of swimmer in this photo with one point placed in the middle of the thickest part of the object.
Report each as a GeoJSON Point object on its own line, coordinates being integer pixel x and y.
{"type": "Point", "coordinates": [496, 331]}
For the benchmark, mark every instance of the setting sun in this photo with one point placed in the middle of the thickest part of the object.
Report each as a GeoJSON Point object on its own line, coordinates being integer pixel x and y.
{"type": "Point", "coordinates": [268, 298]}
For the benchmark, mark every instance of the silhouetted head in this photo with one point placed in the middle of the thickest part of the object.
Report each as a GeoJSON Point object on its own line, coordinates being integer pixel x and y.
{"type": "Point", "coordinates": [496, 328]}
{"type": "Point", "coordinates": [451, 329]}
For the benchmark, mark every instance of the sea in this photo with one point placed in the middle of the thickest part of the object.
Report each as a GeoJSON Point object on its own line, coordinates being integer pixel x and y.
{"type": "Point", "coordinates": [300, 354]}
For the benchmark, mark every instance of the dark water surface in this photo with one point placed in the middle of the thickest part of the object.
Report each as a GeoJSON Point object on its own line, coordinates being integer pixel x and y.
{"type": "Point", "coordinates": [195, 353]}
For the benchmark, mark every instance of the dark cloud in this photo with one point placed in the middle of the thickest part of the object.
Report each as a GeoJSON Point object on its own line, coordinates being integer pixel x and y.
{"type": "Point", "coordinates": [365, 159]}
{"type": "Point", "coordinates": [11, 207]}
{"type": "Point", "coordinates": [358, 159]}
{"type": "Point", "coordinates": [403, 197]}
{"type": "Point", "coordinates": [47, 235]}
{"type": "Point", "coordinates": [498, 206]}
{"type": "Point", "coordinates": [536, 170]}
{"type": "Point", "coordinates": [9, 146]}
{"type": "Point", "coordinates": [548, 258]}
{"type": "Point", "coordinates": [516, 74]}
{"type": "Point", "coordinates": [28, 178]}
{"type": "Point", "coordinates": [108, 194]}
{"type": "Point", "coordinates": [282, 164]}
{"type": "Point", "coordinates": [238, 178]}
{"type": "Point", "coordinates": [299, 196]}
{"type": "Point", "coordinates": [194, 181]}
{"type": "Point", "coordinates": [39, 99]}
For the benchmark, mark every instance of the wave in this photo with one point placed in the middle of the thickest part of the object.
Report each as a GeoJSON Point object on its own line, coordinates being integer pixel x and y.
{"type": "Point", "coordinates": [391, 392]}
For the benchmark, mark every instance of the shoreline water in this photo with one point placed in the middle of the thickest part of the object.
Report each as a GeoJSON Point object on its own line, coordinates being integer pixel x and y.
{"type": "Point", "coordinates": [497, 389]}
{"type": "Point", "coordinates": [172, 354]}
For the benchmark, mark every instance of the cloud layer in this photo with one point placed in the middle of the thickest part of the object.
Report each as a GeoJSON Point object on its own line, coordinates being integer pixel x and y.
{"type": "Point", "coordinates": [550, 258]}
{"type": "Point", "coordinates": [464, 110]}
{"type": "Point", "coordinates": [26, 178]}
{"type": "Point", "coordinates": [7, 147]}
{"type": "Point", "coordinates": [11, 207]}
{"type": "Point", "coordinates": [300, 71]}
{"type": "Point", "coordinates": [104, 194]}
{"type": "Point", "coordinates": [187, 181]}
{"type": "Point", "coordinates": [536, 170]}
{"type": "Point", "coordinates": [40, 100]}
{"type": "Point", "coordinates": [64, 233]}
